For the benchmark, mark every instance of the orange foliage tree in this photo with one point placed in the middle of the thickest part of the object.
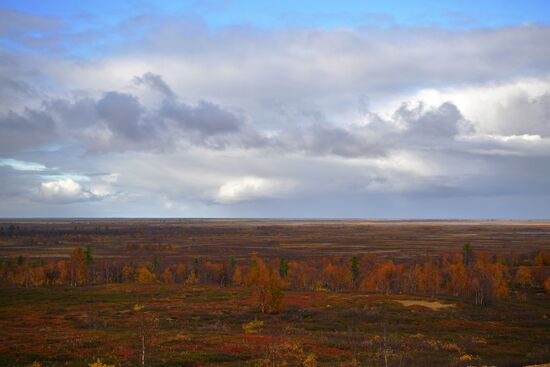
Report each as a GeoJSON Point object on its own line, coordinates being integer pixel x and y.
{"type": "Point", "coordinates": [457, 277]}
{"type": "Point", "coordinates": [337, 277]}
{"type": "Point", "coordinates": [128, 273]}
{"type": "Point", "coordinates": [523, 277]}
{"type": "Point", "coordinates": [180, 272]}
{"type": "Point", "coordinates": [237, 278]}
{"type": "Point", "coordinates": [488, 281]}
{"type": "Point", "coordinates": [168, 275]}
{"type": "Point", "coordinates": [77, 271]}
{"type": "Point", "coordinates": [266, 285]}
{"type": "Point", "coordinates": [428, 278]}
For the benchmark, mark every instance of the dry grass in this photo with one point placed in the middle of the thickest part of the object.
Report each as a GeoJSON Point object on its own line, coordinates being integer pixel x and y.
{"type": "Point", "coordinates": [433, 305]}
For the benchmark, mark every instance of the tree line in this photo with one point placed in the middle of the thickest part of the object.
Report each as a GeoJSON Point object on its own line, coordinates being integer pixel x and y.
{"type": "Point", "coordinates": [477, 278]}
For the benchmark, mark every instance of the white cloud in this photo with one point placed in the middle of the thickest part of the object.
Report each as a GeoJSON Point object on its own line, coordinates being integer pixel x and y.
{"type": "Point", "coordinates": [110, 178]}
{"type": "Point", "coordinates": [66, 191]}
{"type": "Point", "coordinates": [250, 188]}
{"type": "Point", "coordinates": [243, 115]}
{"type": "Point", "coordinates": [100, 190]}
{"type": "Point", "coordinates": [514, 107]}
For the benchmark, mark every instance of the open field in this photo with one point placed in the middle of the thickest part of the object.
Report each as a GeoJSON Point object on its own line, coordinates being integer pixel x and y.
{"type": "Point", "coordinates": [213, 322]}
{"type": "Point", "coordinates": [270, 238]}
{"type": "Point", "coordinates": [192, 326]}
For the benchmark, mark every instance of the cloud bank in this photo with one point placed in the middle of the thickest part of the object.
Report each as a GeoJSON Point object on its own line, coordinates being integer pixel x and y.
{"type": "Point", "coordinates": [176, 119]}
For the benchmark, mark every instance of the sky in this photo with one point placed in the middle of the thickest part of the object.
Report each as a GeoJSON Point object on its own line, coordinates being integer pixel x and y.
{"type": "Point", "coordinates": [296, 109]}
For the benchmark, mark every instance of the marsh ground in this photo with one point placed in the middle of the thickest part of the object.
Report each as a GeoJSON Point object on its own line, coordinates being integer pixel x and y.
{"type": "Point", "coordinates": [195, 326]}
{"type": "Point", "coordinates": [203, 325]}
{"type": "Point", "coordinates": [296, 239]}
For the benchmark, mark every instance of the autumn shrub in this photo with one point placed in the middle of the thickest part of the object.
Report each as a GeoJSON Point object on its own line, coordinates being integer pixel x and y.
{"type": "Point", "coordinates": [481, 279]}
{"type": "Point", "coordinates": [468, 358]}
{"type": "Point", "coordinates": [145, 276]}
{"type": "Point", "coordinates": [253, 327]}
{"type": "Point", "coordinates": [542, 259]}
{"type": "Point", "coordinates": [192, 279]}
{"type": "Point", "coordinates": [523, 277]}
{"type": "Point", "coordinates": [310, 361]}
{"type": "Point", "coordinates": [283, 352]}
{"type": "Point", "coordinates": [266, 285]}
{"type": "Point", "coordinates": [168, 276]}
{"type": "Point", "coordinates": [98, 363]}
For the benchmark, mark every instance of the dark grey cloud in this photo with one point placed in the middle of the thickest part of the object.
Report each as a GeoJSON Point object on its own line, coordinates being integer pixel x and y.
{"type": "Point", "coordinates": [26, 130]}
{"type": "Point", "coordinates": [441, 122]}
{"type": "Point", "coordinates": [10, 86]}
{"type": "Point", "coordinates": [329, 139]}
{"type": "Point", "coordinates": [120, 122]}
{"type": "Point", "coordinates": [122, 112]}
{"type": "Point", "coordinates": [74, 114]}
{"type": "Point", "coordinates": [410, 127]}
{"type": "Point", "coordinates": [156, 83]}
{"type": "Point", "coordinates": [206, 118]}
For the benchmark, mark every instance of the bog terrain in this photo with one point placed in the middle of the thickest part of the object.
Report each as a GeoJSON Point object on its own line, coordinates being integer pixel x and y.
{"type": "Point", "coordinates": [274, 293]}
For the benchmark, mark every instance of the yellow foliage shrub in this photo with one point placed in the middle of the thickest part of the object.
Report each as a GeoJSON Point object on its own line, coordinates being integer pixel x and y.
{"type": "Point", "coordinates": [192, 279]}
{"type": "Point", "coordinates": [253, 327]}
{"type": "Point", "coordinates": [144, 276]}
{"type": "Point", "coordinates": [98, 363]}
{"type": "Point", "coordinates": [310, 361]}
{"type": "Point", "coordinates": [451, 347]}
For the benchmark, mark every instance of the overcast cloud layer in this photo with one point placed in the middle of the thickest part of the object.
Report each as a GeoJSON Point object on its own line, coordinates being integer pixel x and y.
{"type": "Point", "coordinates": [174, 118]}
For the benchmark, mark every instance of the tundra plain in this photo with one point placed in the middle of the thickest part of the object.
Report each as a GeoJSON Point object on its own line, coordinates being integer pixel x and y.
{"type": "Point", "coordinates": [192, 316]}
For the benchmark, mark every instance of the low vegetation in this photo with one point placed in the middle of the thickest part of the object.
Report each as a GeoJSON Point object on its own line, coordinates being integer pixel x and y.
{"type": "Point", "coordinates": [452, 308]}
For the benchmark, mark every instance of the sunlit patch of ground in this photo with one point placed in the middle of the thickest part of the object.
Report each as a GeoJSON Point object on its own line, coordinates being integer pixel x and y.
{"type": "Point", "coordinates": [434, 305]}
